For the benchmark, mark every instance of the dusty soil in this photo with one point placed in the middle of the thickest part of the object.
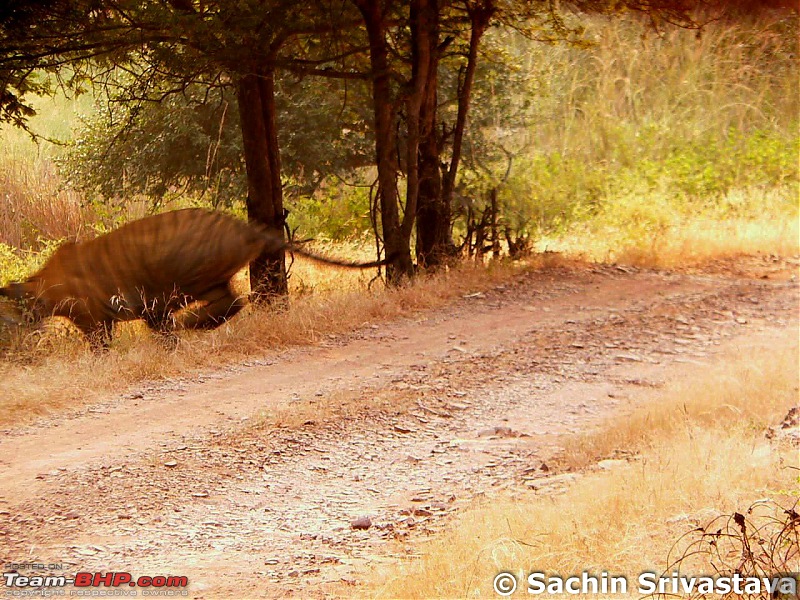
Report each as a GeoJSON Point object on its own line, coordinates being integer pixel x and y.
{"type": "Point", "coordinates": [248, 480]}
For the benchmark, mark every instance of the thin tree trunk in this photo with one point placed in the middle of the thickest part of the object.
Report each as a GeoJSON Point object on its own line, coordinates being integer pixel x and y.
{"type": "Point", "coordinates": [480, 20]}
{"type": "Point", "coordinates": [397, 245]}
{"type": "Point", "coordinates": [494, 231]}
{"type": "Point", "coordinates": [255, 95]}
{"type": "Point", "coordinates": [422, 22]}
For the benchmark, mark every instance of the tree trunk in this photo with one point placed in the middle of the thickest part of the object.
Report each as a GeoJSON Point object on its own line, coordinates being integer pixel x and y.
{"type": "Point", "coordinates": [494, 230]}
{"type": "Point", "coordinates": [434, 240]}
{"type": "Point", "coordinates": [479, 16]}
{"type": "Point", "coordinates": [397, 245]}
{"type": "Point", "coordinates": [422, 24]}
{"type": "Point", "coordinates": [256, 98]}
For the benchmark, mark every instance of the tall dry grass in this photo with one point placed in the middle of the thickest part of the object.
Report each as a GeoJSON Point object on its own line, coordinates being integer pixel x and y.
{"type": "Point", "coordinates": [643, 139]}
{"type": "Point", "coordinates": [641, 91]}
{"type": "Point", "coordinates": [35, 206]}
{"type": "Point", "coordinates": [702, 453]}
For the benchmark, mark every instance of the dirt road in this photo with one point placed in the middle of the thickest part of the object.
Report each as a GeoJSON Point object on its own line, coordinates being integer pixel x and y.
{"type": "Point", "coordinates": [247, 480]}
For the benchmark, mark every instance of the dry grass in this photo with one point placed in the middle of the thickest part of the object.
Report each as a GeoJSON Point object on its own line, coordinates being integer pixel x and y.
{"type": "Point", "coordinates": [688, 242]}
{"type": "Point", "coordinates": [736, 76]}
{"type": "Point", "coordinates": [54, 369]}
{"type": "Point", "coordinates": [703, 453]}
{"type": "Point", "coordinates": [309, 277]}
{"type": "Point", "coordinates": [750, 392]}
{"type": "Point", "coordinates": [36, 205]}
{"type": "Point", "coordinates": [704, 240]}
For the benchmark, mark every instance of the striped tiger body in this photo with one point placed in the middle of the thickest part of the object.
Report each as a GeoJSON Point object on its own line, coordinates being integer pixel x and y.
{"type": "Point", "coordinates": [150, 268]}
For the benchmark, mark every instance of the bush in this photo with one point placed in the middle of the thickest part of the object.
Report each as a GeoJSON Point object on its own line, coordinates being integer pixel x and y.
{"type": "Point", "coordinates": [336, 212]}
{"type": "Point", "coordinates": [17, 265]}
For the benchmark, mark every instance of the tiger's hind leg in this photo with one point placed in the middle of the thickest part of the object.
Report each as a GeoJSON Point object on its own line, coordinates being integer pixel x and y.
{"type": "Point", "coordinates": [220, 306]}
{"type": "Point", "coordinates": [160, 318]}
{"type": "Point", "coordinates": [163, 326]}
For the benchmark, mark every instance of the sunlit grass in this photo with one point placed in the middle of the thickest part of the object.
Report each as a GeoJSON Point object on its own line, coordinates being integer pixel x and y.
{"type": "Point", "coordinates": [655, 230]}
{"type": "Point", "coordinates": [36, 206]}
{"type": "Point", "coordinates": [690, 243]}
{"type": "Point", "coordinates": [308, 276]}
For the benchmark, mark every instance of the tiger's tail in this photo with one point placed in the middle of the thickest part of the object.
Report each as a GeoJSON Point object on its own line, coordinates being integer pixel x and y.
{"type": "Point", "coordinates": [274, 242]}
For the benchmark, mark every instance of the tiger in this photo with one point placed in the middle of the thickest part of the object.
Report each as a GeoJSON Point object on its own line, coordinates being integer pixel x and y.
{"type": "Point", "coordinates": [149, 269]}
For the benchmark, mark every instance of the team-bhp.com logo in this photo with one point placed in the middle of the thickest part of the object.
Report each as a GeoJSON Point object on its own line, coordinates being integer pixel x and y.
{"type": "Point", "coordinates": [82, 580]}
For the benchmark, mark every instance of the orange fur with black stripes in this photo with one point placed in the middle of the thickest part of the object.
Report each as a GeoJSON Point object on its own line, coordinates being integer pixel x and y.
{"type": "Point", "coordinates": [150, 268]}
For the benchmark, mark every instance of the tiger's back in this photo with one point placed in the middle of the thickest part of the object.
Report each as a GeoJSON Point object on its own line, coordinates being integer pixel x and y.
{"type": "Point", "coordinates": [149, 266]}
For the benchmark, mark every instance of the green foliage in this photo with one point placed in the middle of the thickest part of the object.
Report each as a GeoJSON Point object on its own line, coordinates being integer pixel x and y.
{"type": "Point", "coordinates": [17, 265]}
{"type": "Point", "coordinates": [541, 194]}
{"type": "Point", "coordinates": [545, 193]}
{"type": "Point", "coordinates": [12, 266]}
{"type": "Point", "coordinates": [189, 147]}
{"type": "Point", "coordinates": [183, 145]}
{"type": "Point", "coordinates": [713, 166]}
{"type": "Point", "coordinates": [324, 128]}
{"type": "Point", "coordinates": [335, 212]}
